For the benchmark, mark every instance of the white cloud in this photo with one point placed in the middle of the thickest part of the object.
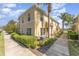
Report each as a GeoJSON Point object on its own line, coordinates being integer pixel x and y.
{"type": "Point", "coordinates": [16, 12]}
{"type": "Point", "coordinates": [11, 12]}
{"type": "Point", "coordinates": [57, 9]}
{"type": "Point", "coordinates": [60, 10]}
{"type": "Point", "coordinates": [57, 5]}
{"type": "Point", "coordinates": [10, 5]}
{"type": "Point", "coordinates": [6, 10]}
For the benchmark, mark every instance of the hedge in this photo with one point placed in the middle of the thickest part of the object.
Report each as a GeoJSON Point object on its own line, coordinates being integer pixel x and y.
{"type": "Point", "coordinates": [29, 41]}
{"type": "Point", "coordinates": [73, 35]}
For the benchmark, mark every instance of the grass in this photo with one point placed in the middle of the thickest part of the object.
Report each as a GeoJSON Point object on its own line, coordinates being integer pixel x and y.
{"type": "Point", "coordinates": [1, 45]}
{"type": "Point", "coordinates": [74, 48]}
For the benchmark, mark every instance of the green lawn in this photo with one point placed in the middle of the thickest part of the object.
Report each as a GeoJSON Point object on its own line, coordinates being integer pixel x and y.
{"type": "Point", "coordinates": [1, 44]}
{"type": "Point", "coordinates": [74, 48]}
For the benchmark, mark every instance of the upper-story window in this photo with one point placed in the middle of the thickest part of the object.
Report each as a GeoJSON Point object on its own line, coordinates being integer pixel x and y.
{"type": "Point", "coordinates": [41, 18]}
{"type": "Point", "coordinates": [29, 17]}
{"type": "Point", "coordinates": [22, 21]}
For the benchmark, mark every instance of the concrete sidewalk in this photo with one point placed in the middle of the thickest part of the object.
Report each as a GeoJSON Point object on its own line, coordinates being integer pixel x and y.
{"type": "Point", "coordinates": [12, 48]}
{"type": "Point", "coordinates": [59, 48]}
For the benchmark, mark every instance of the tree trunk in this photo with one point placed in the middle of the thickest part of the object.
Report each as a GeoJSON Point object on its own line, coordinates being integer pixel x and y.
{"type": "Point", "coordinates": [63, 25]}
{"type": "Point", "coordinates": [48, 25]}
{"type": "Point", "coordinates": [49, 10]}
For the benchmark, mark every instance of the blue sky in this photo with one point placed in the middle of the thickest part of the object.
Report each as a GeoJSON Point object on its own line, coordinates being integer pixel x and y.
{"type": "Point", "coordinates": [13, 11]}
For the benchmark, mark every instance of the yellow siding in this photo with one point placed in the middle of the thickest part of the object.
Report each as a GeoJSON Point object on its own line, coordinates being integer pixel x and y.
{"type": "Point", "coordinates": [35, 22]}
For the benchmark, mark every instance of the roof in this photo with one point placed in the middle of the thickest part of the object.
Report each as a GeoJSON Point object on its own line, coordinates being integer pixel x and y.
{"type": "Point", "coordinates": [37, 7]}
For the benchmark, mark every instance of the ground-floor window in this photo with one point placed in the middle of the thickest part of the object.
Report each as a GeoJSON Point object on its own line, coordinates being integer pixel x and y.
{"type": "Point", "coordinates": [29, 30]}
{"type": "Point", "coordinates": [42, 31]}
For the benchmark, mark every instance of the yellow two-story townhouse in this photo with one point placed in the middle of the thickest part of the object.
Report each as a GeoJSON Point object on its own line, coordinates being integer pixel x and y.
{"type": "Point", "coordinates": [34, 21]}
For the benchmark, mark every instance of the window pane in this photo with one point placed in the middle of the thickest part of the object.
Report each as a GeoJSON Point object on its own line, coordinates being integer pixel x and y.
{"type": "Point", "coordinates": [29, 17]}
{"type": "Point", "coordinates": [41, 18]}
{"type": "Point", "coordinates": [42, 31]}
{"type": "Point", "coordinates": [29, 31]}
{"type": "Point", "coordinates": [22, 21]}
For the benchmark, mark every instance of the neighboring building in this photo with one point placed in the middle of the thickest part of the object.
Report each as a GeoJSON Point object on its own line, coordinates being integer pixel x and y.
{"type": "Point", "coordinates": [34, 21]}
{"type": "Point", "coordinates": [75, 26]}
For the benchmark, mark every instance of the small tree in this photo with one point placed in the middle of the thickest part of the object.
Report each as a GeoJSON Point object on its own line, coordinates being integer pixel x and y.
{"type": "Point", "coordinates": [11, 26]}
{"type": "Point", "coordinates": [66, 17]}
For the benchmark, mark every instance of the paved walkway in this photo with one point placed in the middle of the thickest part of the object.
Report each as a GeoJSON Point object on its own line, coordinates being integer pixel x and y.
{"type": "Point", "coordinates": [59, 48]}
{"type": "Point", "coordinates": [12, 48]}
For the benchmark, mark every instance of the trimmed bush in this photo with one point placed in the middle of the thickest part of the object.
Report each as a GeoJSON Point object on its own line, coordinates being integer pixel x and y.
{"type": "Point", "coordinates": [27, 40]}
{"type": "Point", "coordinates": [73, 35]}
{"type": "Point", "coordinates": [47, 41]}
{"type": "Point", "coordinates": [58, 34]}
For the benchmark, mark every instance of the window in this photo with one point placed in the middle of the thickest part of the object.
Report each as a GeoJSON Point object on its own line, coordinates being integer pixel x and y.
{"type": "Point", "coordinates": [28, 31]}
{"type": "Point", "coordinates": [41, 18]}
{"type": "Point", "coordinates": [29, 17]}
{"type": "Point", "coordinates": [42, 31]}
{"type": "Point", "coordinates": [22, 21]}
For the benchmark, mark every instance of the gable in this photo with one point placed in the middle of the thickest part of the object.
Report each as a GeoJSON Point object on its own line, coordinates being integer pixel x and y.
{"type": "Point", "coordinates": [33, 8]}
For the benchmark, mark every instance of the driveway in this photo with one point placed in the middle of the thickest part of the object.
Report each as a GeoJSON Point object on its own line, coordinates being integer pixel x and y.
{"type": "Point", "coordinates": [12, 48]}
{"type": "Point", "coordinates": [59, 48]}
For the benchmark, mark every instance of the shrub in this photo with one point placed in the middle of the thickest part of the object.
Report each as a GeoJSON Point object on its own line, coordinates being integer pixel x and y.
{"type": "Point", "coordinates": [14, 36]}
{"type": "Point", "coordinates": [33, 44]}
{"type": "Point", "coordinates": [27, 40]}
{"type": "Point", "coordinates": [46, 41]}
{"type": "Point", "coordinates": [58, 34]}
{"type": "Point", "coordinates": [41, 43]}
{"type": "Point", "coordinates": [73, 35]}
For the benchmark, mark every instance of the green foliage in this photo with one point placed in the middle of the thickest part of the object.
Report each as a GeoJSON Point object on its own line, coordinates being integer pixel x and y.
{"type": "Point", "coordinates": [66, 17]}
{"type": "Point", "coordinates": [58, 34]}
{"type": "Point", "coordinates": [47, 41]}
{"type": "Point", "coordinates": [27, 40]}
{"type": "Point", "coordinates": [2, 49]}
{"type": "Point", "coordinates": [73, 35]}
{"type": "Point", "coordinates": [74, 48]}
{"type": "Point", "coordinates": [10, 27]}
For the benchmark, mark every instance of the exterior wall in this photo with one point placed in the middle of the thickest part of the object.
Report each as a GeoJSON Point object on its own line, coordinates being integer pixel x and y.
{"type": "Point", "coordinates": [75, 27]}
{"type": "Point", "coordinates": [26, 24]}
{"type": "Point", "coordinates": [76, 24]}
{"type": "Point", "coordinates": [38, 24]}
{"type": "Point", "coordinates": [35, 23]}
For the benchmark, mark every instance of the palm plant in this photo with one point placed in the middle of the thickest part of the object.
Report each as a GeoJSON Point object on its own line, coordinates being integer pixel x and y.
{"type": "Point", "coordinates": [49, 11]}
{"type": "Point", "coordinates": [65, 17]}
